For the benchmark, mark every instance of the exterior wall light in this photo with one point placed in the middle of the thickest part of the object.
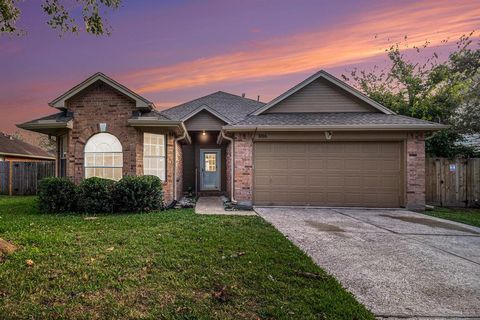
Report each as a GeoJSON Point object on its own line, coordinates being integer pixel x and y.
{"type": "Point", "coordinates": [203, 133]}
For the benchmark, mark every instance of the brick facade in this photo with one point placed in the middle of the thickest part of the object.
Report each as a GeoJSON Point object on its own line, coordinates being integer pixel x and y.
{"type": "Point", "coordinates": [102, 104]}
{"type": "Point", "coordinates": [179, 171]}
{"type": "Point", "coordinates": [243, 166]}
{"type": "Point", "coordinates": [228, 168]}
{"type": "Point", "coordinates": [415, 171]}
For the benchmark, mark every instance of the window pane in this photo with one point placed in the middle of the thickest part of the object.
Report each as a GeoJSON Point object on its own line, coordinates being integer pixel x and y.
{"type": "Point", "coordinates": [89, 159]}
{"type": "Point", "coordinates": [89, 172]}
{"type": "Point", "coordinates": [154, 155]}
{"type": "Point", "coordinates": [108, 159]}
{"type": "Point", "coordinates": [118, 160]}
{"type": "Point", "coordinates": [117, 173]}
{"type": "Point", "coordinates": [210, 162]}
{"type": "Point", "coordinates": [103, 157]}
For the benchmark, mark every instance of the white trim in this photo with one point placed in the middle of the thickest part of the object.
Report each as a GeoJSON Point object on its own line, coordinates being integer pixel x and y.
{"type": "Point", "coordinates": [325, 75]}
{"type": "Point", "coordinates": [206, 108]}
{"type": "Point", "coordinates": [385, 127]}
{"type": "Point", "coordinates": [140, 102]}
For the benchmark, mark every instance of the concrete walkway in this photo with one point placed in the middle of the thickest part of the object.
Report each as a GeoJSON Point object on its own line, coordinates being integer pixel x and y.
{"type": "Point", "coordinates": [214, 205]}
{"type": "Point", "coordinates": [398, 263]}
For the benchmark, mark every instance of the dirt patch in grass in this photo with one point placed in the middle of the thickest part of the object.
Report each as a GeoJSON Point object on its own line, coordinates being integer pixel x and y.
{"type": "Point", "coordinates": [324, 226]}
{"type": "Point", "coordinates": [431, 223]}
{"type": "Point", "coordinates": [6, 248]}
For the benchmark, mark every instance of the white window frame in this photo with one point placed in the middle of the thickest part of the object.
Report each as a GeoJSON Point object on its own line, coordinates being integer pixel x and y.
{"type": "Point", "coordinates": [158, 157]}
{"type": "Point", "coordinates": [100, 150]}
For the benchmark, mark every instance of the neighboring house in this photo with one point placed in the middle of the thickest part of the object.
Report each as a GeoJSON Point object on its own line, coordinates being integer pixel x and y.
{"type": "Point", "coordinates": [321, 143]}
{"type": "Point", "coordinates": [12, 149]}
{"type": "Point", "coordinates": [471, 141]}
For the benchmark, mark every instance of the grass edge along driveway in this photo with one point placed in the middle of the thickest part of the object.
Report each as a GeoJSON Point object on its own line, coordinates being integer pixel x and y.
{"type": "Point", "coordinates": [463, 215]}
{"type": "Point", "coordinates": [170, 265]}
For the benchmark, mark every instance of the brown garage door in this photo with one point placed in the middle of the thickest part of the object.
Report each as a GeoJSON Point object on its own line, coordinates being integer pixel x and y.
{"type": "Point", "coordinates": [328, 173]}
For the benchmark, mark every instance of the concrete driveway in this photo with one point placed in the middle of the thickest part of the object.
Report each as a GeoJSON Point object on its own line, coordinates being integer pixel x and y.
{"type": "Point", "coordinates": [398, 263]}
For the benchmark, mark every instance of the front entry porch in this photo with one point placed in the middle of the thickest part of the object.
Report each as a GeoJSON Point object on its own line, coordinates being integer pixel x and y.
{"type": "Point", "coordinates": [204, 165]}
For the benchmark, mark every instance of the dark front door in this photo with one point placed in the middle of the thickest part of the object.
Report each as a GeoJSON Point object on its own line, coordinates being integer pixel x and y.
{"type": "Point", "coordinates": [210, 169]}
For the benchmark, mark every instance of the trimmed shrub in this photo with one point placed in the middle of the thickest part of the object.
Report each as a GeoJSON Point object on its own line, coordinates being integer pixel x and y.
{"type": "Point", "coordinates": [138, 194]}
{"type": "Point", "coordinates": [95, 195]}
{"type": "Point", "coordinates": [56, 195]}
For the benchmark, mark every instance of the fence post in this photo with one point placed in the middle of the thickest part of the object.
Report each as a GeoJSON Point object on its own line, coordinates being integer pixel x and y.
{"type": "Point", "coordinates": [10, 174]}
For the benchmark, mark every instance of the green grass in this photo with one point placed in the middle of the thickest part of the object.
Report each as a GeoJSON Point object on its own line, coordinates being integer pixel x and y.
{"type": "Point", "coordinates": [467, 216]}
{"type": "Point", "coordinates": [165, 265]}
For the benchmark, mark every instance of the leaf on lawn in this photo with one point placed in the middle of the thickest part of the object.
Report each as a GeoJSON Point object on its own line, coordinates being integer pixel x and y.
{"type": "Point", "coordinates": [111, 249]}
{"type": "Point", "coordinates": [221, 294]}
{"type": "Point", "coordinates": [29, 262]}
{"type": "Point", "coordinates": [237, 254]}
{"type": "Point", "coordinates": [90, 218]}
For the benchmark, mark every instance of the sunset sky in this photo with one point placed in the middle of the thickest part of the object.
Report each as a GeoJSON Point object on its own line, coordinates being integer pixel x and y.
{"type": "Point", "coordinates": [174, 51]}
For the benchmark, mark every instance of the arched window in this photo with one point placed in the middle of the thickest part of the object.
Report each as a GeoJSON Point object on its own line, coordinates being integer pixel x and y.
{"type": "Point", "coordinates": [103, 157]}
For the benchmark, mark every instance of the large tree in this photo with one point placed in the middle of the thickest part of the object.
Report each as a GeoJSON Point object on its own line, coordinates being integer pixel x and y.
{"type": "Point", "coordinates": [62, 15]}
{"type": "Point", "coordinates": [445, 91]}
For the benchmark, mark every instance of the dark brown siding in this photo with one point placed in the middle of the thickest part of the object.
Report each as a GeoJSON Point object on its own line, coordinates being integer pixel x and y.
{"type": "Point", "coordinates": [188, 167]}
{"type": "Point", "coordinates": [204, 120]}
{"type": "Point", "coordinates": [321, 96]}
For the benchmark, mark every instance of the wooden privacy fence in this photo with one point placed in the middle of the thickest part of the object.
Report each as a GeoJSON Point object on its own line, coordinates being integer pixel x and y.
{"type": "Point", "coordinates": [21, 178]}
{"type": "Point", "coordinates": [453, 183]}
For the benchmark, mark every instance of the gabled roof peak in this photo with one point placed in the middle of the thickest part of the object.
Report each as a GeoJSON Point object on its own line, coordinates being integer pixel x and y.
{"type": "Point", "coordinates": [333, 80]}
{"type": "Point", "coordinates": [140, 101]}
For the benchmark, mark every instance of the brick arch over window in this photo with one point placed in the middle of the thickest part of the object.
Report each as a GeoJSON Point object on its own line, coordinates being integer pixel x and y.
{"type": "Point", "coordinates": [131, 143]}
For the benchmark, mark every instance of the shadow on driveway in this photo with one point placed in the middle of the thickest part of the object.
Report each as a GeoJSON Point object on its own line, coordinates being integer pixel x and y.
{"type": "Point", "coordinates": [398, 263]}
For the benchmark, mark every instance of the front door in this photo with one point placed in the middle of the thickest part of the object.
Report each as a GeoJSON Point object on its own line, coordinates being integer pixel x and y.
{"type": "Point", "coordinates": [210, 169]}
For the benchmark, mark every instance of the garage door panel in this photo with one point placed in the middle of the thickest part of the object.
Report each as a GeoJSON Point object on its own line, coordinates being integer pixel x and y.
{"type": "Point", "coordinates": [335, 163]}
{"type": "Point", "coordinates": [328, 173]}
{"type": "Point", "coordinates": [316, 163]}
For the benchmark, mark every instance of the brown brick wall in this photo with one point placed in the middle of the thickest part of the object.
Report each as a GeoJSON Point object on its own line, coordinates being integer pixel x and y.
{"type": "Point", "coordinates": [243, 166]}
{"type": "Point", "coordinates": [179, 168]}
{"type": "Point", "coordinates": [228, 173]}
{"type": "Point", "coordinates": [415, 171]}
{"type": "Point", "coordinates": [168, 186]}
{"type": "Point", "coordinates": [102, 104]}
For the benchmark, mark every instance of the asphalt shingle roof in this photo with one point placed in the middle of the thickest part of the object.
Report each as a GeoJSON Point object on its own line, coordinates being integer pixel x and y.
{"type": "Point", "coordinates": [330, 118]}
{"type": "Point", "coordinates": [152, 114]}
{"type": "Point", "coordinates": [230, 106]}
{"type": "Point", "coordinates": [11, 145]}
{"type": "Point", "coordinates": [61, 117]}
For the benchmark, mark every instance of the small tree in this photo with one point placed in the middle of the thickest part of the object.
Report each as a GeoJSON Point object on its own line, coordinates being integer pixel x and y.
{"type": "Point", "coordinates": [441, 91]}
{"type": "Point", "coordinates": [63, 15]}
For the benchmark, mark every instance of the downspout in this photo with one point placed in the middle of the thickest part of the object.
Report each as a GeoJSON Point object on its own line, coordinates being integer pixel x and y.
{"type": "Point", "coordinates": [185, 134]}
{"type": "Point", "coordinates": [232, 166]}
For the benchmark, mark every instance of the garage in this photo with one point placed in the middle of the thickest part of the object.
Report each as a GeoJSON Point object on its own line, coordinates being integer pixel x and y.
{"type": "Point", "coordinates": [340, 173]}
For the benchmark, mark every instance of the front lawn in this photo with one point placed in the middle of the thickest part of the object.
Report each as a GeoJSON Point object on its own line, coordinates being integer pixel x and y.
{"type": "Point", "coordinates": [467, 216]}
{"type": "Point", "coordinates": [173, 265]}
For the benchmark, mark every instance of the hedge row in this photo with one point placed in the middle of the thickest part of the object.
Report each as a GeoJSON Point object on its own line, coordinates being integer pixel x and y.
{"type": "Point", "coordinates": [97, 195]}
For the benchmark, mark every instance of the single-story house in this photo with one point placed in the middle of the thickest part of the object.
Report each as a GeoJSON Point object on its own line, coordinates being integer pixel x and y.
{"type": "Point", "coordinates": [320, 143]}
{"type": "Point", "coordinates": [12, 149]}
